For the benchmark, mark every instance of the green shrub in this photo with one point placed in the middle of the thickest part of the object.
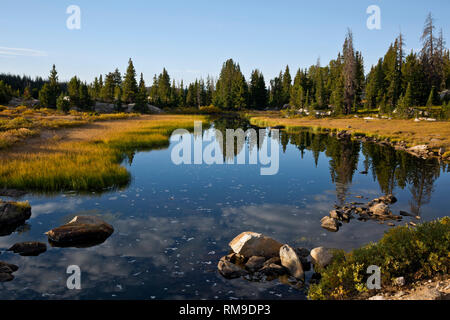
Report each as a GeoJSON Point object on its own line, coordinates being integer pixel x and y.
{"type": "Point", "coordinates": [414, 253]}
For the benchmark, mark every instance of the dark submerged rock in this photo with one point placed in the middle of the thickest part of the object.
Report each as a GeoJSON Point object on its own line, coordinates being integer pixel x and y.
{"type": "Point", "coordinates": [82, 231]}
{"type": "Point", "coordinates": [29, 248]}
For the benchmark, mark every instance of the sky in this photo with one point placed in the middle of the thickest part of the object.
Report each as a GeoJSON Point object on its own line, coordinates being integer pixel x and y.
{"type": "Point", "coordinates": [192, 39]}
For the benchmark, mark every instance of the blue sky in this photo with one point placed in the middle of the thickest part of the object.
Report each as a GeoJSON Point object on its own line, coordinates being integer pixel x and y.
{"type": "Point", "coordinates": [193, 38]}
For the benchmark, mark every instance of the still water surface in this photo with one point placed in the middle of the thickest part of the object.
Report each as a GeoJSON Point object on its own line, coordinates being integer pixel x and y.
{"type": "Point", "coordinates": [173, 223]}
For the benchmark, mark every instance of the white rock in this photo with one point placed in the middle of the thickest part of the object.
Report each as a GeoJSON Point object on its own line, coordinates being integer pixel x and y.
{"type": "Point", "coordinates": [291, 261]}
{"type": "Point", "coordinates": [321, 257]}
{"type": "Point", "coordinates": [251, 244]}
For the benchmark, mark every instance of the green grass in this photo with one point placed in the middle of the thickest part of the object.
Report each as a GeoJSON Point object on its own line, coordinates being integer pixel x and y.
{"type": "Point", "coordinates": [88, 165]}
{"type": "Point", "coordinates": [414, 253]}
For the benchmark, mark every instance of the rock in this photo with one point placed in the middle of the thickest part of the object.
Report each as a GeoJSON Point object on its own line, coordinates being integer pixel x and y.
{"type": "Point", "coordinates": [379, 297]}
{"type": "Point", "coordinates": [255, 263]}
{"type": "Point", "coordinates": [291, 261]}
{"type": "Point", "coordinates": [400, 281]}
{"type": "Point", "coordinates": [302, 252]}
{"type": "Point", "coordinates": [251, 244]}
{"type": "Point", "coordinates": [14, 212]}
{"type": "Point", "coordinates": [82, 231]}
{"type": "Point", "coordinates": [234, 258]}
{"type": "Point", "coordinates": [29, 248]}
{"type": "Point", "coordinates": [7, 267]}
{"type": "Point", "coordinates": [6, 271]}
{"type": "Point", "coordinates": [330, 224]}
{"type": "Point", "coordinates": [406, 214]}
{"type": "Point", "coordinates": [273, 270]}
{"type": "Point", "coordinates": [274, 260]}
{"type": "Point", "coordinates": [12, 193]}
{"type": "Point", "coordinates": [321, 257]}
{"type": "Point", "coordinates": [441, 151]}
{"type": "Point", "coordinates": [388, 199]}
{"type": "Point", "coordinates": [379, 209]}
{"type": "Point", "coordinates": [335, 214]}
{"type": "Point", "coordinates": [419, 150]}
{"type": "Point", "coordinates": [230, 270]}
{"type": "Point", "coordinates": [13, 215]}
{"type": "Point", "coordinates": [102, 107]}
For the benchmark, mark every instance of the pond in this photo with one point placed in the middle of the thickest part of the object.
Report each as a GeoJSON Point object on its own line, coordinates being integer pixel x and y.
{"type": "Point", "coordinates": [174, 222]}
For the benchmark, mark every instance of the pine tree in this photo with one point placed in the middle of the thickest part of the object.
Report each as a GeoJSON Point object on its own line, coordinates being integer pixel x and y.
{"type": "Point", "coordinates": [141, 98]}
{"type": "Point", "coordinates": [349, 73]}
{"type": "Point", "coordinates": [129, 86]}
{"type": "Point", "coordinates": [257, 90]}
{"type": "Point", "coordinates": [287, 83]}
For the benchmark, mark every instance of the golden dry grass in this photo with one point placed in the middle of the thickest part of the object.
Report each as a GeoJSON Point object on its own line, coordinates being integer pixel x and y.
{"type": "Point", "coordinates": [435, 134]}
{"type": "Point", "coordinates": [85, 158]}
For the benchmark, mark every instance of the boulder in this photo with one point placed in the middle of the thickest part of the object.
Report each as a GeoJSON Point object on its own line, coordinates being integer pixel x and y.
{"type": "Point", "coordinates": [419, 150]}
{"type": "Point", "coordinates": [235, 258]}
{"type": "Point", "coordinates": [330, 224]}
{"type": "Point", "coordinates": [13, 215]}
{"type": "Point", "coordinates": [251, 244]}
{"type": "Point", "coordinates": [291, 261]}
{"type": "Point", "coordinates": [102, 107]}
{"type": "Point", "coordinates": [273, 270]}
{"type": "Point", "coordinates": [400, 281]}
{"type": "Point", "coordinates": [335, 214]}
{"type": "Point", "coordinates": [82, 231]}
{"type": "Point", "coordinates": [388, 199]}
{"type": "Point", "coordinates": [379, 209]}
{"type": "Point", "coordinates": [14, 212]}
{"type": "Point", "coordinates": [255, 263]}
{"type": "Point", "coordinates": [29, 248]}
{"type": "Point", "coordinates": [321, 257]}
{"type": "Point", "coordinates": [230, 270]}
{"type": "Point", "coordinates": [6, 271]}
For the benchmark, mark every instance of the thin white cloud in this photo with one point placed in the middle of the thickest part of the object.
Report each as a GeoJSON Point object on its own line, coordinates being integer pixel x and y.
{"type": "Point", "coordinates": [4, 51]}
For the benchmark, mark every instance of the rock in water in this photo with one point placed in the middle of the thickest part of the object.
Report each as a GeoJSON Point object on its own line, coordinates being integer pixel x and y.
{"type": "Point", "coordinates": [379, 209]}
{"type": "Point", "coordinates": [388, 199]}
{"type": "Point", "coordinates": [29, 248]}
{"type": "Point", "coordinates": [251, 244]}
{"type": "Point", "coordinates": [291, 261]}
{"type": "Point", "coordinates": [82, 231]}
{"type": "Point", "coordinates": [230, 270]}
{"type": "Point", "coordinates": [321, 257]}
{"type": "Point", "coordinates": [5, 271]}
{"type": "Point", "coordinates": [330, 224]}
{"type": "Point", "coordinates": [255, 263]}
{"type": "Point", "coordinates": [12, 216]}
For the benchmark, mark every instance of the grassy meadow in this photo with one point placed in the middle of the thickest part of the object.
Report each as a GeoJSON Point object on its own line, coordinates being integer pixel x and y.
{"type": "Point", "coordinates": [434, 134]}
{"type": "Point", "coordinates": [88, 157]}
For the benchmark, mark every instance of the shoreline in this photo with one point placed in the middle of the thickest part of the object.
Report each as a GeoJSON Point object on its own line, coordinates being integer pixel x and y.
{"type": "Point", "coordinates": [405, 135]}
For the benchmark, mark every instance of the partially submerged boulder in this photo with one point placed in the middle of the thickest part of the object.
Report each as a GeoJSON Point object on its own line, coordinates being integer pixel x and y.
{"type": "Point", "coordinates": [13, 215]}
{"type": "Point", "coordinates": [291, 261]}
{"type": "Point", "coordinates": [230, 270]}
{"type": "Point", "coordinates": [29, 248]}
{"type": "Point", "coordinates": [330, 224]}
{"type": "Point", "coordinates": [6, 270]}
{"type": "Point", "coordinates": [82, 231]}
{"type": "Point", "coordinates": [251, 244]}
{"type": "Point", "coordinates": [379, 209]}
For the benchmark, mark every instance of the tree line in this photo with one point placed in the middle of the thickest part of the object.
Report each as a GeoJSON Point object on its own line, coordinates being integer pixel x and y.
{"type": "Point", "coordinates": [395, 84]}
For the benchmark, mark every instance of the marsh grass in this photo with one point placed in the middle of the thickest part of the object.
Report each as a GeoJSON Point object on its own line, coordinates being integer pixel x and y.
{"type": "Point", "coordinates": [14, 121]}
{"type": "Point", "coordinates": [91, 164]}
{"type": "Point", "coordinates": [435, 134]}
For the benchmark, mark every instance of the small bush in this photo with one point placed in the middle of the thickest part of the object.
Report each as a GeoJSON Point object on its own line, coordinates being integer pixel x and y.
{"type": "Point", "coordinates": [414, 253]}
